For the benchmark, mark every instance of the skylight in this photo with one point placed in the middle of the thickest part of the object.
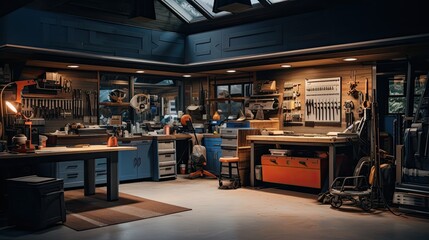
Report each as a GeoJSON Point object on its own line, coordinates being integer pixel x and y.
{"type": "Point", "coordinates": [202, 10]}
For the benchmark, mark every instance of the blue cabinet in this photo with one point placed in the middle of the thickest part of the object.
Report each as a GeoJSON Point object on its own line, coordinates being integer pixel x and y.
{"type": "Point", "coordinates": [213, 153]}
{"type": "Point", "coordinates": [135, 164]}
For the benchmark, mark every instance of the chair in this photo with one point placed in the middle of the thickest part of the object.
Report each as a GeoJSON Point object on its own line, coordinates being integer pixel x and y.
{"type": "Point", "coordinates": [198, 157]}
{"type": "Point", "coordinates": [355, 189]}
{"type": "Point", "coordinates": [234, 178]}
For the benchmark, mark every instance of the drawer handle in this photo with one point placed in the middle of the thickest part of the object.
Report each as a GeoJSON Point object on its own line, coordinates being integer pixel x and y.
{"type": "Point", "coordinates": [71, 167]}
{"type": "Point", "coordinates": [101, 174]}
{"type": "Point", "coordinates": [101, 164]}
{"type": "Point", "coordinates": [273, 161]}
{"type": "Point", "coordinates": [168, 168]}
{"type": "Point", "coordinates": [167, 155]}
{"type": "Point", "coordinates": [303, 163]}
{"type": "Point", "coordinates": [72, 175]}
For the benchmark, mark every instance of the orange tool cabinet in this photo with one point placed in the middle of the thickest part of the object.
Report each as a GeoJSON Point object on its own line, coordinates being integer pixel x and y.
{"type": "Point", "coordinates": [298, 171]}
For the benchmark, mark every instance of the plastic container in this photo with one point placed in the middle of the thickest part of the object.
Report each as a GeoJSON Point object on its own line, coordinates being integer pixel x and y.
{"type": "Point", "coordinates": [258, 172]}
{"type": "Point", "coordinates": [182, 168]}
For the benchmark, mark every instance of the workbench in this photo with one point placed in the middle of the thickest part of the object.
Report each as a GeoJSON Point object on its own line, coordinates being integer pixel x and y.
{"type": "Point", "coordinates": [332, 143]}
{"type": "Point", "coordinates": [88, 154]}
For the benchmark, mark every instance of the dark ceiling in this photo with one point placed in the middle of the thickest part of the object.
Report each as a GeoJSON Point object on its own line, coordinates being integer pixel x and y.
{"type": "Point", "coordinates": [120, 11]}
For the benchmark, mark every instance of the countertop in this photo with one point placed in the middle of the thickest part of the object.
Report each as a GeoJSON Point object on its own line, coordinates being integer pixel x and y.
{"type": "Point", "coordinates": [310, 139]}
{"type": "Point", "coordinates": [180, 136]}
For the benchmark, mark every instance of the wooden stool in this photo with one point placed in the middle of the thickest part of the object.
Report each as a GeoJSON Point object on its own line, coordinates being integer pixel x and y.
{"type": "Point", "coordinates": [234, 178]}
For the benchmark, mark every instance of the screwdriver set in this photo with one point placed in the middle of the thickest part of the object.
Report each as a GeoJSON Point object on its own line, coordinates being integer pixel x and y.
{"type": "Point", "coordinates": [323, 100]}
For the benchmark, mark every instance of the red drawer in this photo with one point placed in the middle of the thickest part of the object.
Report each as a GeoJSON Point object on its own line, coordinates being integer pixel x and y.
{"type": "Point", "coordinates": [297, 162]}
{"type": "Point", "coordinates": [304, 172]}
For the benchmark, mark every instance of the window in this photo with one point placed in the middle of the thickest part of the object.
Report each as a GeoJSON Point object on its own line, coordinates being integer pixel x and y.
{"type": "Point", "coordinates": [396, 100]}
{"type": "Point", "coordinates": [231, 98]}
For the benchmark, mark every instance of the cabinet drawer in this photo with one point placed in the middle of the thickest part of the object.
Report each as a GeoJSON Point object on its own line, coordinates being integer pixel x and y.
{"type": "Point", "coordinates": [71, 176]}
{"type": "Point", "coordinates": [166, 157]}
{"type": "Point", "coordinates": [229, 153]}
{"type": "Point", "coordinates": [295, 162]}
{"type": "Point", "coordinates": [100, 164]}
{"type": "Point", "coordinates": [229, 142]}
{"type": "Point", "coordinates": [170, 170]}
{"type": "Point", "coordinates": [229, 132]}
{"type": "Point", "coordinates": [168, 163]}
{"type": "Point", "coordinates": [166, 151]}
{"type": "Point", "coordinates": [292, 176]}
{"type": "Point", "coordinates": [100, 176]}
{"type": "Point", "coordinates": [166, 145]}
{"type": "Point", "coordinates": [72, 166]}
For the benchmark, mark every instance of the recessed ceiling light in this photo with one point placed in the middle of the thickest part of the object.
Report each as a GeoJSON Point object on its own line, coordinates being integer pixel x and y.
{"type": "Point", "coordinates": [72, 66]}
{"type": "Point", "coordinates": [285, 66]}
{"type": "Point", "coordinates": [186, 75]}
{"type": "Point", "coordinates": [139, 71]}
{"type": "Point", "coordinates": [350, 59]}
{"type": "Point", "coordinates": [231, 71]}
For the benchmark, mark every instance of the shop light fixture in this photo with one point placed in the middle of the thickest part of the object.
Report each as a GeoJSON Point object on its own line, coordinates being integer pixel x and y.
{"type": "Point", "coordinates": [285, 66]}
{"type": "Point", "coordinates": [350, 59]}
{"type": "Point", "coordinates": [186, 75]}
{"type": "Point", "coordinates": [231, 71]}
{"type": "Point", "coordinates": [73, 66]}
{"type": "Point", "coordinates": [139, 71]}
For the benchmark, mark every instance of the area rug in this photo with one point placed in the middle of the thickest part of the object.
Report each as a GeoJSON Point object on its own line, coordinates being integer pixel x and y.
{"type": "Point", "coordinates": [88, 212]}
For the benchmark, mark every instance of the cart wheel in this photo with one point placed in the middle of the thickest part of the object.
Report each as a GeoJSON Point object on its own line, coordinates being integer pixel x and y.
{"type": "Point", "coordinates": [235, 184]}
{"type": "Point", "coordinates": [336, 202]}
{"type": "Point", "coordinates": [220, 183]}
{"type": "Point", "coordinates": [365, 204]}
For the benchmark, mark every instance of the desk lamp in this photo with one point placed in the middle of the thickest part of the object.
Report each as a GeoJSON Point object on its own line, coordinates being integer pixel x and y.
{"type": "Point", "coordinates": [19, 87]}
{"type": "Point", "coordinates": [28, 122]}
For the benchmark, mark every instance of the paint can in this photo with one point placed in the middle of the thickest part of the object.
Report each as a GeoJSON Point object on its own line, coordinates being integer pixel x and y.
{"type": "Point", "coordinates": [182, 168]}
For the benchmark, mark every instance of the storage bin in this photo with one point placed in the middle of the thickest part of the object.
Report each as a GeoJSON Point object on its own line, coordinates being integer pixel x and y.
{"type": "Point", "coordinates": [258, 172]}
{"type": "Point", "coordinates": [35, 202]}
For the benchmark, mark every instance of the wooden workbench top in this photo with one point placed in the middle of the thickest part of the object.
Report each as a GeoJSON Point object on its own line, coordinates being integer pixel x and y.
{"type": "Point", "coordinates": [300, 139]}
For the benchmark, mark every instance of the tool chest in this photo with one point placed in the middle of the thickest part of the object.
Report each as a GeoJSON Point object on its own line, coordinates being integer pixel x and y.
{"type": "Point", "coordinates": [297, 171]}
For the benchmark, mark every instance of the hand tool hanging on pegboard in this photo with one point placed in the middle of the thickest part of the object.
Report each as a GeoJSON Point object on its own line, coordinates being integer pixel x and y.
{"type": "Point", "coordinates": [349, 106]}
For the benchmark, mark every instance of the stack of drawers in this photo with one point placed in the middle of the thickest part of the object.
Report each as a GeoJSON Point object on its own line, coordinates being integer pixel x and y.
{"type": "Point", "coordinates": [235, 144]}
{"type": "Point", "coordinates": [166, 159]}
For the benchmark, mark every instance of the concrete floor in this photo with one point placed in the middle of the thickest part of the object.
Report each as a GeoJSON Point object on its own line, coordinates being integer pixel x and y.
{"type": "Point", "coordinates": [241, 214]}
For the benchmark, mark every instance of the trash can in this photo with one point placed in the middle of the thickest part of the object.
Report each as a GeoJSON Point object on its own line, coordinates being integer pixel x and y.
{"type": "Point", "coordinates": [35, 202]}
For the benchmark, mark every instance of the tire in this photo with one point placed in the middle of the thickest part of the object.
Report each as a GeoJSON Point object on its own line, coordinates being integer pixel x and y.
{"type": "Point", "coordinates": [365, 204]}
{"type": "Point", "coordinates": [235, 184]}
{"type": "Point", "coordinates": [336, 202]}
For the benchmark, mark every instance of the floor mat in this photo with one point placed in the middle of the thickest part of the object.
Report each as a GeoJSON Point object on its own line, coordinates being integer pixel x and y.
{"type": "Point", "coordinates": [88, 212]}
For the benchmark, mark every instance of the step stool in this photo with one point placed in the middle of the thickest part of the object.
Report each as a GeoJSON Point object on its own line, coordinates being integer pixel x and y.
{"type": "Point", "coordinates": [234, 178]}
